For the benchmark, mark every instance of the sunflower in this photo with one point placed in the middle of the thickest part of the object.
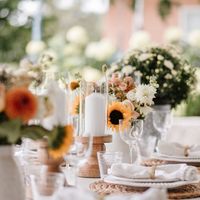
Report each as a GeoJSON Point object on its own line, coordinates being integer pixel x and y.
{"type": "Point", "coordinates": [75, 106]}
{"type": "Point", "coordinates": [61, 141]}
{"type": "Point", "coordinates": [20, 103]}
{"type": "Point", "coordinates": [117, 111]}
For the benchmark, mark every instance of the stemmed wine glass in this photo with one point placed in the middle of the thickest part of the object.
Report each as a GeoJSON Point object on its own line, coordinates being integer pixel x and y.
{"type": "Point", "coordinates": [162, 122]}
{"type": "Point", "coordinates": [131, 135]}
{"type": "Point", "coordinates": [78, 153]}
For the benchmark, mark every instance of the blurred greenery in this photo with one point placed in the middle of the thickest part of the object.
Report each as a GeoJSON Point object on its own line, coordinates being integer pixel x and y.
{"type": "Point", "coordinates": [193, 106]}
{"type": "Point", "coordinates": [14, 38]}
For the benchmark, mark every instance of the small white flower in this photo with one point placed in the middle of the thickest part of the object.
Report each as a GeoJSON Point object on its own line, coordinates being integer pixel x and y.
{"type": "Point", "coordinates": [168, 64]}
{"type": "Point", "coordinates": [159, 57]}
{"type": "Point", "coordinates": [168, 76]}
{"type": "Point", "coordinates": [131, 95]}
{"type": "Point", "coordinates": [144, 110]}
{"type": "Point", "coordinates": [144, 94]}
{"type": "Point", "coordinates": [174, 72]}
{"type": "Point", "coordinates": [165, 85]}
{"type": "Point", "coordinates": [144, 56]}
{"type": "Point", "coordinates": [157, 71]}
{"type": "Point", "coordinates": [128, 69]}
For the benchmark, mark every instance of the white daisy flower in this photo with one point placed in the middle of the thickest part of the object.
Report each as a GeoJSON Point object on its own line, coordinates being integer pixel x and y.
{"type": "Point", "coordinates": [144, 94]}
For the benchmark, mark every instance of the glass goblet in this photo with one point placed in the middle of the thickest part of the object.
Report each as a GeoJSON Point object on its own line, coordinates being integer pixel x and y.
{"type": "Point", "coordinates": [131, 135]}
{"type": "Point", "coordinates": [78, 153]}
{"type": "Point", "coordinates": [162, 121]}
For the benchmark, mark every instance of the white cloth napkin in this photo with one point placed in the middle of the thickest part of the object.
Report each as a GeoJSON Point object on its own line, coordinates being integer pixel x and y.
{"type": "Point", "coordinates": [176, 149]}
{"type": "Point", "coordinates": [150, 194]}
{"type": "Point", "coordinates": [163, 172]}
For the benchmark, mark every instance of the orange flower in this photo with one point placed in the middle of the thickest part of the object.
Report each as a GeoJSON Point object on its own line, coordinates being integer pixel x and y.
{"type": "Point", "coordinates": [74, 85]}
{"type": "Point", "coordinates": [75, 106]}
{"type": "Point", "coordinates": [64, 143]}
{"type": "Point", "coordinates": [20, 103]}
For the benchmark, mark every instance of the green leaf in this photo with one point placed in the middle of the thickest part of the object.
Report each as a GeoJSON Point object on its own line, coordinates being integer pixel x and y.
{"type": "Point", "coordinates": [11, 130]}
{"type": "Point", "coordinates": [34, 132]}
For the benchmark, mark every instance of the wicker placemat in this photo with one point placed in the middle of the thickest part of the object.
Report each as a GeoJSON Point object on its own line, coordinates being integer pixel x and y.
{"type": "Point", "coordinates": [183, 192]}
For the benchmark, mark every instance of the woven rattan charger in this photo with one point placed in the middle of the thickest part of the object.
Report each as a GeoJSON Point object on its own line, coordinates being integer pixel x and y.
{"type": "Point", "coordinates": [183, 192]}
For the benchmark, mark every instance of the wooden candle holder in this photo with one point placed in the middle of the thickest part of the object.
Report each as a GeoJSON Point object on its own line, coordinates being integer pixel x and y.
{"type": "Point", "coordinates": [91, 168]}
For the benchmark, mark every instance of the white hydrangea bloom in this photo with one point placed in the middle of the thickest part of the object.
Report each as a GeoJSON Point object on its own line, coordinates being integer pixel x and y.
{"type": "Point", "coordinates": [168, 64]}
{"type": "Point", "coordinates": [140, 39]}
{"type": "Point", "coordinates": [101, 51]}
{"type": "Point", "coordinates": [128, 69]}
{"type": "Point", "coordinates": [173, 34]}
{"type": "Point", "coordinates": [194, 38]}
{"type": "Point", "coordinates": [77, 35]}
{"type": "Point", "coordinates": [144, 94]}
{"type": "Point", "coordinates": [35, 47]}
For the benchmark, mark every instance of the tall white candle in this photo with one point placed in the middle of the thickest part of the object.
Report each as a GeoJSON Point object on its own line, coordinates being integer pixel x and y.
{"type": "Point", "coordinates": [95, 115]}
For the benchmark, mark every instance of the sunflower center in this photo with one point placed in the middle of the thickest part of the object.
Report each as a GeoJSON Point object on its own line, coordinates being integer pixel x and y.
{"type": "Point", "coordinates": [115, 116]}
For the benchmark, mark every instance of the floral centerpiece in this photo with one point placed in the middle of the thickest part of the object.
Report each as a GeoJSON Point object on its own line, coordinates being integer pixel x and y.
{"type": "Point", "coordinates": [20, 107]}
{"type": "Point", "coordinates": [129, 100]}
{"type": "Point", "coordinates": [174, 75]}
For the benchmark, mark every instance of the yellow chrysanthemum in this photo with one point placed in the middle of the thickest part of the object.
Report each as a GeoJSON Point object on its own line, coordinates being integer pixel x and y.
{"type": "Point", "coordinates": [62, 142]}
{"type": "Point", "coordinates": [118, 111]}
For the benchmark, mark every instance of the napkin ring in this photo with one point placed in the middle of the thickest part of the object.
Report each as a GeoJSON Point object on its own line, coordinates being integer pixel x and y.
{"type": "Point", "coordinates": [152, 172]}
{"type": "Point", "coordinates": [186, 151]}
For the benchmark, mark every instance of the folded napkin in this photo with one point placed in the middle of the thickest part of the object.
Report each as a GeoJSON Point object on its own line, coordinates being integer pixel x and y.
{"type": "Point", "coordinates": [163, 172]}
{"type": "Point", "coordinates": [152, 193]}
{"type": "Point", "coordinates": [176, 149]}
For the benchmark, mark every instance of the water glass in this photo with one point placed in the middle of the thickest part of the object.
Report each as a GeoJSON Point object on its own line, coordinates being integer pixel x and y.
{"type": "Point", "coordinates": [106, 159]}
{"type": "Point", "coordinates": [47, 186]}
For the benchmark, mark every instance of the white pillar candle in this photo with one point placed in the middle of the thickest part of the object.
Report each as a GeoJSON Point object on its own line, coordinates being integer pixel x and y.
{"type": "Point", "coordinates": [95, 115]}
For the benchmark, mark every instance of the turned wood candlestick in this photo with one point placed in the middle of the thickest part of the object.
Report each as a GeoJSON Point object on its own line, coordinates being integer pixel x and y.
{"type": "Point", "coordinates": [91, 168]}
{"type": "Point", "coordinates": [53, 165]}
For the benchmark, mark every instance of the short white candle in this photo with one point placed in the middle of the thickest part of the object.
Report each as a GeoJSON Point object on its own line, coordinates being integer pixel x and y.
{"type": "Point", "coordinates": [95, 115]}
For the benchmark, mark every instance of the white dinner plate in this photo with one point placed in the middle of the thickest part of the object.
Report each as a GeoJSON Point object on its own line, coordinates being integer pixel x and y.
{"type": "Point", "coordinates": [176, 158]}
{"type": "Point", "coordinates": [131, 182]}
